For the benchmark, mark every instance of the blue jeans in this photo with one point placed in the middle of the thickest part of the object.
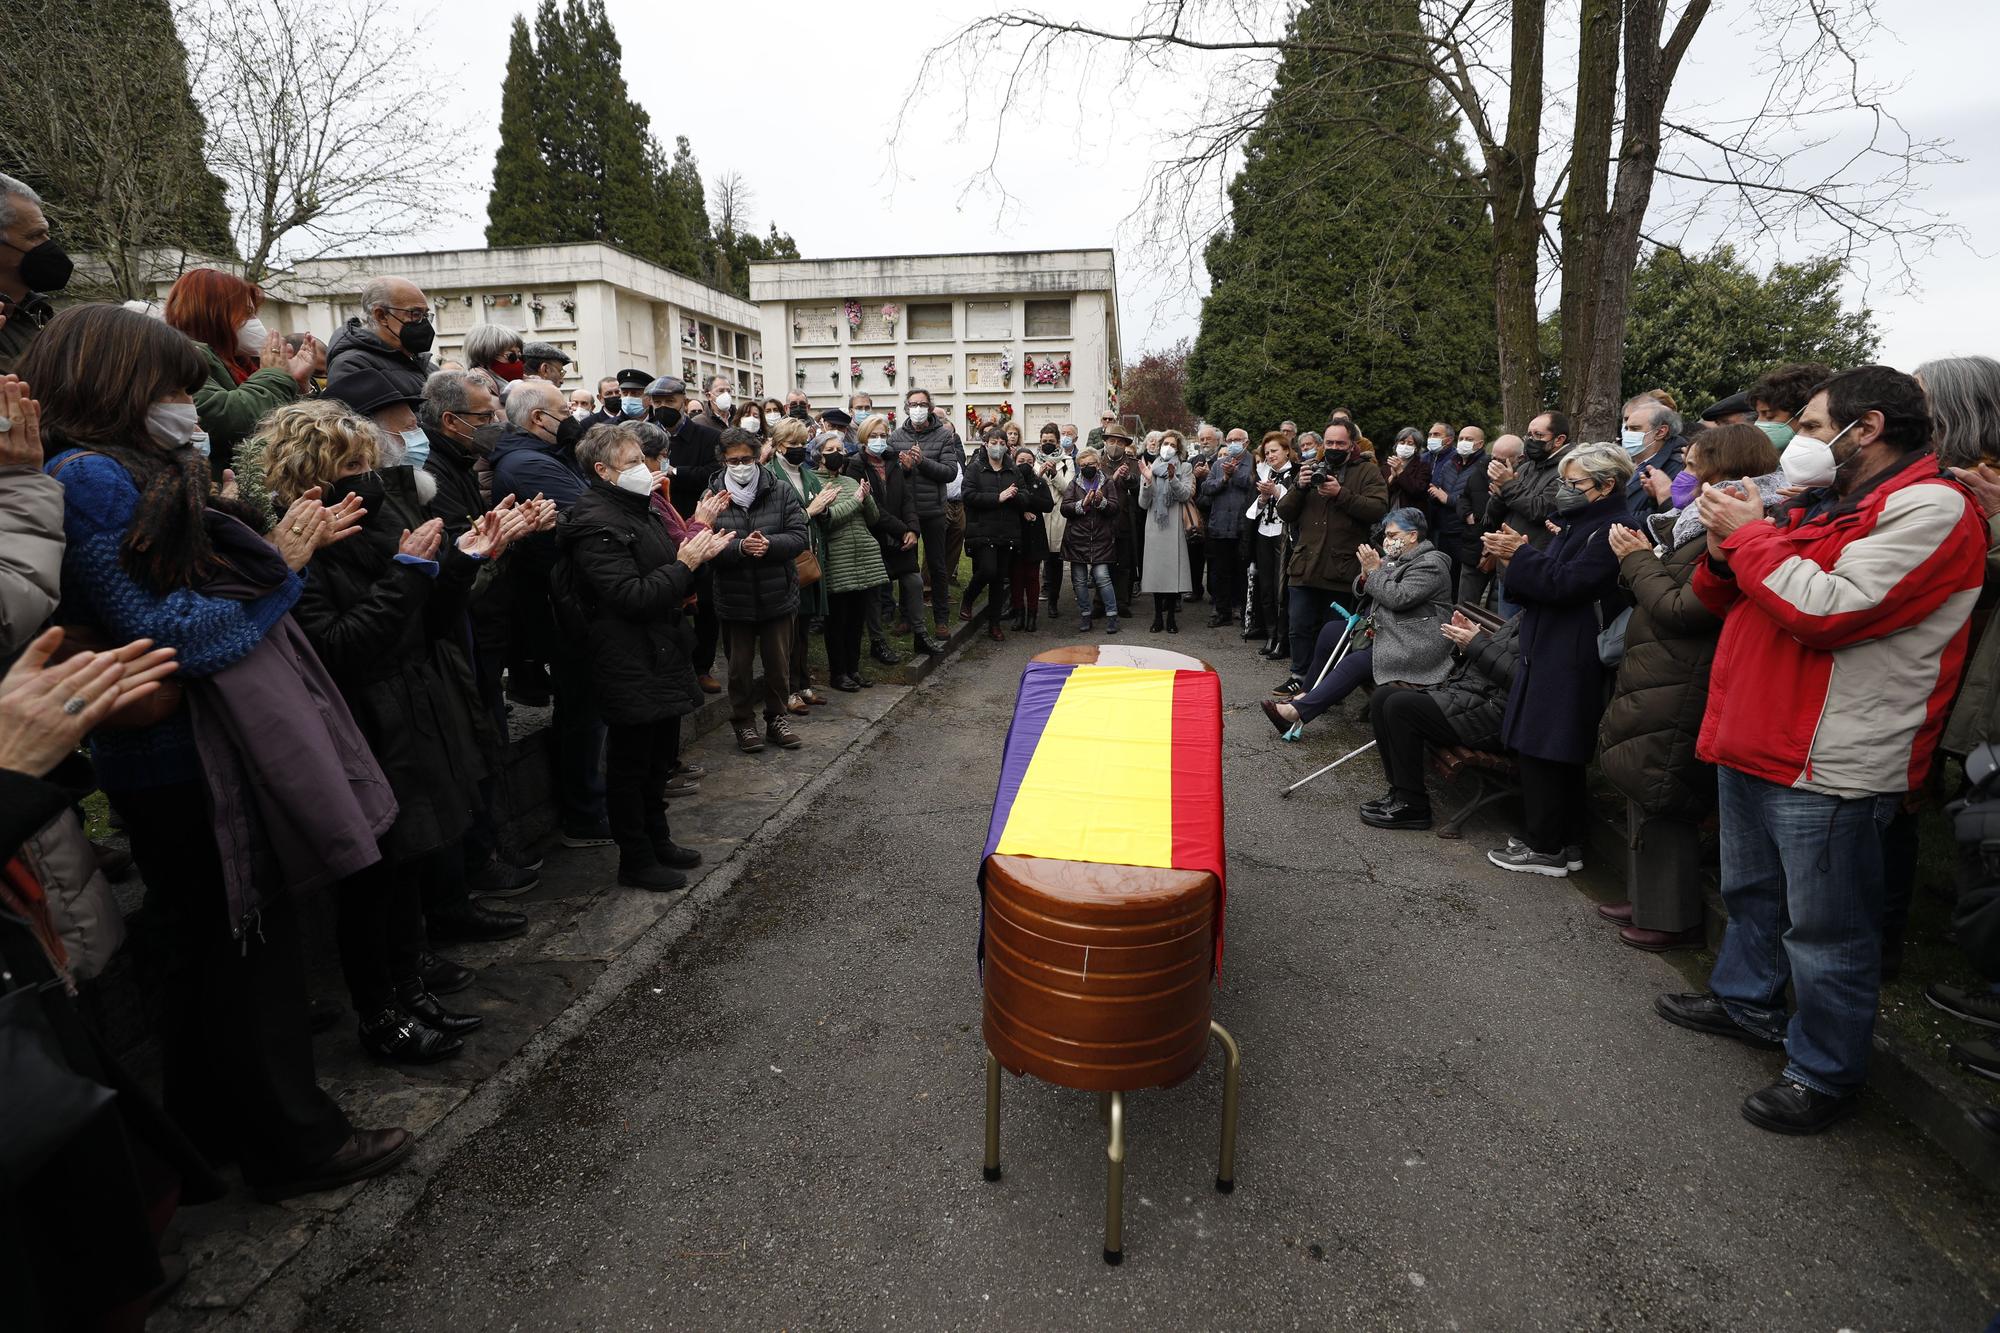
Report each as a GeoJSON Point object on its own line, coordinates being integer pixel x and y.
{"type": "Point", "coordinates": [1802, 879]}
{"type": "Point", "coordinates": [1082, 577]}
{"type": "Point", "coordinates": [1308, 610]}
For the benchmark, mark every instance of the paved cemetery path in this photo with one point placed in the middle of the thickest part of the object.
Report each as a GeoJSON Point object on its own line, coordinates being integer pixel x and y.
{"type": "Point", "coordinates": [1458, 1108]}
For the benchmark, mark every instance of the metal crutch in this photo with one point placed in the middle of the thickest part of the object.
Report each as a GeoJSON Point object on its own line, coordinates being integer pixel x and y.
{"type": "Point", "coordinates": [1328, 769]}
{"type": "Point", "coordinates": [1340, 647]}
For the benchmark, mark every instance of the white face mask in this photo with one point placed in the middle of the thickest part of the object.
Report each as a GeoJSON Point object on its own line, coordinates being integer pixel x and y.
{"type": "Point", "coordinates": [1406, 450]}
{"type": "Point", "coordinates": [1435, 444]}
{"type": "Point", "coordinates": [579, 413]}
{"type": "Point", "coordinates": [251, 335]}
{"type": "Point", "coordinates": [751, 424]}
{"type": "Point", "coordinates": [919, 415]}
{"type": "Point", "coordinates": [173, 424]}
{"type": "Point", "coordinates": [637, 479]}
{"type": "Point", "coordinates": [1467, 448]}
{"type": "Point", "coordinates": [724, 401]}
{"type": "Point", "coordinates": [742, 473]}
{"type": "Point", "coordinates": [1168, 454]}
{"type": "Point", "coordinates": [1809, 462]}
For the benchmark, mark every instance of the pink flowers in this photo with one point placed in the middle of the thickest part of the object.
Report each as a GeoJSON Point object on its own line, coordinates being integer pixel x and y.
{"type": "Point", "coordinates": [889, 368]}
{"type": "Point", "coordinates": [854, 370]}
{"type": "Point", "coordinates": [890, 314]}
{"type": "Point", "coordinates": [854, 316]}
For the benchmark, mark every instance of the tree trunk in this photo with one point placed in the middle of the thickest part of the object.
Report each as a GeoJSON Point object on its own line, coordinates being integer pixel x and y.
{"type": "Point", "coordinates": [1649, 78]}
{"type": "Point", "coordinates": [1585, 202]}
{"type": "Point", "coordinates": [1517, 223]}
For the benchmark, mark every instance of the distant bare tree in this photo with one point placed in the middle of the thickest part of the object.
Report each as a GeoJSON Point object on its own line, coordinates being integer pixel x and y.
{"type": "Point", "coordinates": [730, 202]}
{"type": "Point", "coordinates": [1762, 176]}
{"type": "Point", "coordinates": [323, 120]}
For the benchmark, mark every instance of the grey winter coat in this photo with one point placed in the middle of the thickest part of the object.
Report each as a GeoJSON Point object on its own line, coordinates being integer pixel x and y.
{"type": "Point", "coordinates": [1646, 741]}
{"type": "Point", "coordinates": [1228, 495]}
{"type": "Point", "coordinates": [31, 553]}
{"type": "Point", "coordinates": [1412, 602]}
{"type": "Point", "coordinates": [943, 456]}
{"type": "Point", "coordinates": [1164, 567]}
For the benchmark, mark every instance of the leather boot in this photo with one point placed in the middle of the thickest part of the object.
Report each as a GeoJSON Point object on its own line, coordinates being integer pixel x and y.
{"type": "Point", "coordinates": [1159, 617]}
{"type": "Point", "coordinates": [420, 1004]}
{"type": "Point", "coordinates": [1173, 618]}
{"type": "Point", "coordinates": [670, 853]}
{"type": "Point", "coordinates": [1034, 619]}
{"type": "Point", "coordinates": [928, 646]}
{"type": "Point", "coordinates": [470, 922]}
{"type": "Point", "coordinates": [395, 1038]}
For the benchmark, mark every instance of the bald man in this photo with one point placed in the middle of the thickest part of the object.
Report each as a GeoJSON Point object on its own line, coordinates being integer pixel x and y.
{"type": "Point", "coordinates": [1485, 516]}
{"type": "Point", "coordinates": [393, 332]}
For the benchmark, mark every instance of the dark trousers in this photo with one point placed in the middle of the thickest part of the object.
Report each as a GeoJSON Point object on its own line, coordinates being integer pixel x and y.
{"type": "Point", "coordinates": [1309, 609]}
{"type": "Point", "coordinates": [845, 613]}
{"type": "Point", "coordinates": [1267, 600]}
{"type": "Point", "coordinates": [1662, 870]}
{"type": "Point", "coordinates": [1225, 574]}
{"type": "Point", "coordinates": [1197, 548]}
{"type": "Point", "coordinates": [1052, 581]}
{"type": "Point", "coordinates": [1405, 721]}
{"type": "Point", "coordinates": [989, 573]}
{"type": "Point", "coordinates": [954, 536]}
{"type": "Point", "coordinates": [579, 740]}
{"type": "Point", "coordinates": [380, 932]}
{"type": "Point", "coordinates": [1556, 803]}
{"type": "Point", "coordinates": [638, 759]}
{"type": "Point", "coordinates": [744, 640]}
{"type": "Point", "coordinates": [239, 1076]}
{"type": "Point", "coordinates": [707, 630]}
{"type": "Point", "coordinates": [1024, 581]}
{"type": "Point", "coordinates": [937, 569]}
{"type": "Point", "coordinates": [798, 657]}
{"type": "Point", "coordinates": [1347, 675]}
{"type": "Point", "coordinates": [482, 840]}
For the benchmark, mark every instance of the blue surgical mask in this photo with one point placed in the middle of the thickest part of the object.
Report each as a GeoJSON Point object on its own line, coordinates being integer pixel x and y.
{"type": "Point", "coordinates": [200, 443]}
{"type": "Point", "coordinates": [878, 446]}
{"type": "Point", "coordinates": [1634, 441]}
{"type": "Point", "coordinates": [1307, 455]}
{"type": "Point", "coordinates": [1234, 448]}
{"type": "Point", "coordinates": [633, 407]}
{"type": "Point", "coordinates": [416, 447]}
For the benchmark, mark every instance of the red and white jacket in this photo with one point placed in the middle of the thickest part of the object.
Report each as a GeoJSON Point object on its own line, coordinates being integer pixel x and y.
{"type": "Point", "coordinates": [1844, 636]}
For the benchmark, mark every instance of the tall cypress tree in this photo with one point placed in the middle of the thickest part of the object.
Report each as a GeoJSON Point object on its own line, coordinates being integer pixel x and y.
{"type": "Point", "coordinates": [517, 209]}
{"type": "Point", "coordinates": [1353, 271]}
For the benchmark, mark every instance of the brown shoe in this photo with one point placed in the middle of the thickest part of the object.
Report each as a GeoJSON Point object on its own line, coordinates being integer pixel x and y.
{"type": "Point", "coordinates": [367, 1152]}
{"type": "Point", "coordinates": [709, 684]}
{"type": "Point", "coordinates": [1619, 912]}
{"type": "Point", "coordinates": [779, 732]}
{"type": "Point", "coordinates": [813, 696]}
{"type": "Point", "coordinates": [747, 739]}
{"type": "Point", "coordinates": [995, 633]}
{"type": "Point", "coordinates": [678, 786]}
{"type": "Point", "coordinates": [796, 706]}
{"type": "Point", "coordinates": [1660, 941]}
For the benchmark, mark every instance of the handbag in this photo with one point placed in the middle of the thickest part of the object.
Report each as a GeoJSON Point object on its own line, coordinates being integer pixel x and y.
{"type": "Point", "coordinates": [1611, 639]}
{"type": "Point", "coordinates": [1193, 518]}
{"type": "Point", "coordinates": [807, 565]}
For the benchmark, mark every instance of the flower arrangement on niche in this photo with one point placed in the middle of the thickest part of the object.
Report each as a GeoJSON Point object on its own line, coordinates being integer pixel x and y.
{"type": "Point", "coordinates": [854, 370]}
{"type": "Point", "coordinates": [1006, 413]}
{"type": "Point", "coordinates": [853, 318]}
{"type": "Point", "coordinates": [836, 379]}
{"type": "Point", "coordinates": [687, 370]}
{"type": "Point", "coordinates": [802, 376]}
{"type": "Point", "coordinates": [1007, 369]}
{"type": "Point", "coordinates": [889, 369]}
{"type": "Point", "coordinates": [687, 333]}
{"type": "Point", "coordinates": [890, 314]}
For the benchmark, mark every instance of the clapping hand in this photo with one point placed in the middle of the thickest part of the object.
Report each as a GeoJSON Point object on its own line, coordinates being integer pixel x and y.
{"type": "Point", "coordinates": [21, 442]}
{"type": "Point", "coordinates": [487, 537]}
{"type": "Point", "coordinates": [710, 506]}
{"type": "Point", "coordinates": [862, 493]}
{"type": "Point", "coordinates": [1499, 472]}
{"type": "Point", "coordinates": [1460, 629]}
{"type": "Point", "coordinates": [275, 355]}
{"type": "Point", "coordinates": [1723, 511]}
{"type": "Point", "coordinates": [756, 544]}
{"type": "Point", "coordinates": [422, 543]}
{"type": "Point", "coordinates": [308, 361]}
{"type": "Point", "coordinates": [309, 525]}
{"type": "Point", "coordinates": [1440, 494]}
{"type": "Point", "coordinates": [1267, 489]}
{"type": "Point", "coordinates": [1501, 545]}
{"type": "Point", "coordinates": [1626, 541]}
{"type": "Point", "coordinates": [698, 549]}
{"type": "Point", "coordinates": [1009, 494]}
{"type": "Point", "coordinates": [1984, 483]}
{"type": "Point", "coordinates": [46, 711]}
{"type": "Point", "coordinates": [1370, 558]}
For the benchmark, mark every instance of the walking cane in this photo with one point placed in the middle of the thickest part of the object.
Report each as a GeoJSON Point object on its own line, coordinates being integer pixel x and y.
{"type": "Point", "coordinates": [1328, 769]}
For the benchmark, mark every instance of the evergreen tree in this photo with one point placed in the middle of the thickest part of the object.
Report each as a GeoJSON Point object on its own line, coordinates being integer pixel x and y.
{"type": "Point", "coordinates": [1354, 270]}
{"type": "Point", "coordinates": [518, 207]}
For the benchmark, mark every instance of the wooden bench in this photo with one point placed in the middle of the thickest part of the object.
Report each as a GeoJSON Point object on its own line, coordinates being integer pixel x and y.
{"type": "Point", "coordinates": [1497, 777]}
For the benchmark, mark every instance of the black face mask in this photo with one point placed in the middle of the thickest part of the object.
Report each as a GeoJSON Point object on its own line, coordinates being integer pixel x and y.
{"type": "Point", "coordinates": [795, 455]}
{"type": "Point", "coordinates": [485, 437]}
{"type": "Point", "coordinates": [1088, 472]}
{"type": "Point", "coordinates": [417, 336]}
{"type": "Point", "coordinates": [667, 417]}
{"type": "Point", "coordinates": [1535, 449]}
{"type": "Point", "coordinates": [833, 464]}
{"type": "Point", "coordinates": [45, 267]}
{"type": "Point", "coordinates": [1337, 457]}
{"type": "Point", "coordinates": [1049, 446]}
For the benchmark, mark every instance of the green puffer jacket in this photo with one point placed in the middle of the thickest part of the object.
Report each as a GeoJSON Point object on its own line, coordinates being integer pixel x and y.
{"type": "Point", "coordinates": [812, 597]}
{"type": "Point", "coordinates": [229, 411]}
{"type": "Point", "coordinates": [852, 558]}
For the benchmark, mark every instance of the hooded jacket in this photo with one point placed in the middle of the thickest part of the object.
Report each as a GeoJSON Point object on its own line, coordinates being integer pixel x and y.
{"type": "Point", "coordinates": [1844, 633]}
{"type": "Point", "coordinates": [359, 344]}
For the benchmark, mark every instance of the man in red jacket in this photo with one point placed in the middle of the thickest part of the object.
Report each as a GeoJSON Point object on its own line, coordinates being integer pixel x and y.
{"type": "Point", "coordinates": [1843, 637]}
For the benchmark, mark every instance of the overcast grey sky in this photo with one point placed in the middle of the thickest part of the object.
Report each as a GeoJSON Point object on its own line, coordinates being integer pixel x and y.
{"type": "Point", "coordinates": [814, 142]}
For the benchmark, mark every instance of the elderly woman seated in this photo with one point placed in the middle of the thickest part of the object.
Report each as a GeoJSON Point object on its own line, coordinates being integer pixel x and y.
{"type": "Point", "coordinates": [1409, 581]}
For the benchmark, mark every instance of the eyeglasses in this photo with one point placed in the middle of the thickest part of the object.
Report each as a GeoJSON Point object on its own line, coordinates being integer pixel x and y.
{"type": "Point", "coordinates": [408, 313]}
{"type": "Point", "coordinates": [481, 418]}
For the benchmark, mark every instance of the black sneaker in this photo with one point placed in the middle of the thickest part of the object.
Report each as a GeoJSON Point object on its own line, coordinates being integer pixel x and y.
{"type": "Point", "coordinates": [587, 835]}
{"type": "Point", "coordinates": [1792, 1108]}
{"type": "Point", "coordinates": [1290, 686]}
{"type": "Point", "coordinates": [1398, 815]}
{"type": "Point", "coordinates": [1572, 853]}
{"type": "Point", "coordinates": [1526, 860]}
{"type": "Point", "coordinates": [499, 879]}
{"type": "Point", "coordinates": [1981, 1007]}
{"type": "Point", "coordinates": [1706, 1013]}
{"type": "Point", "coordinates": [649, 874]}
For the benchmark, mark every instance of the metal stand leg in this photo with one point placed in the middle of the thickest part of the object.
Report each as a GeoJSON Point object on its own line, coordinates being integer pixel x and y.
{"type": "Point", "coordinates": [1114, 1185]}
{"type": "Point", "coordinates": [1225, 1176]}
{"type": "Point", "coordinates": [992, 1117]}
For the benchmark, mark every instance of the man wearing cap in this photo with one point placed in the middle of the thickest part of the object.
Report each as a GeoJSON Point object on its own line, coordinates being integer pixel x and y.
{"type": "Point", "coordinates": [1733, 410]}
{"type": "Point", "coordinates": [544, 361]}
{"type": "Point", "coordinates": [837, 420]}
{"type": "Point", "coordinates": [1121, 474]}
{"type": "Point", "coordinates": [694, 456]}
{"type": "Point", "coordinates": [623, 398]}
{"type": "Point", "coordinates": [393, 333]}
{"type": "Point", "coordinates": [379, 395]}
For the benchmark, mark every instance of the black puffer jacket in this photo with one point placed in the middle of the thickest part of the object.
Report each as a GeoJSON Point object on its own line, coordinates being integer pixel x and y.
{"type": "Point", "coordinates": [1474, 696]}
{"type": "Point", "coordinates": [623, 566]}
{"type": "Point", "coordinates": [1648, 734]}
{"type": "Point", "coordinates": [460, 502]}
{"type": "Point", "coordinates": [392, 636]}
{"type": "Point", "coordinates": [766, 587]}
{"type": "Point", "coordinates": [1091, 538]}
{"type": "Point", "coordinates": [357, 344]}
{"type": "Point", "coordinates": [994, 521]}
{"type": "Point", "coordinates": [942, 454]}
{"type": "Point", "coordinates": [895, 513]}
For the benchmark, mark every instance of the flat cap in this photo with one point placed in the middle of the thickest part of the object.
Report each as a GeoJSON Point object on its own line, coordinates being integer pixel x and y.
{"type": "Point", "coordinates": [1730, 406]}
{"type": "Point", "coordinates": [666, 386]}
{"type": "Point", "coordinates": [534, 352]}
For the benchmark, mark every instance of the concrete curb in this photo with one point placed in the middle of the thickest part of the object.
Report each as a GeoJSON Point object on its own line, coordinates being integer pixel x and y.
{"type": "Point", "coordinates": [282, 1301]}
